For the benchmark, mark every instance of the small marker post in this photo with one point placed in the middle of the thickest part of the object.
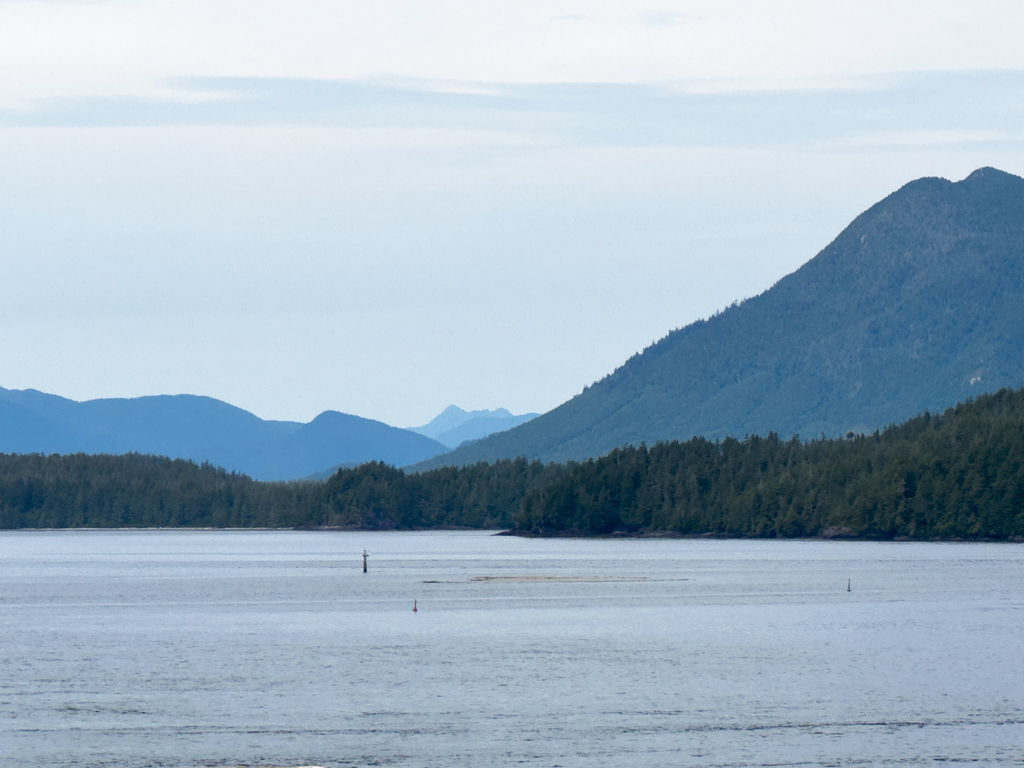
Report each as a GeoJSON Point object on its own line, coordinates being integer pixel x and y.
{"type": "Point", "coordinates": [848, 581]}
{"type": "Point", "coordinates": [365, 555]}
{"type": "Point", "coordinates": [414, 608]}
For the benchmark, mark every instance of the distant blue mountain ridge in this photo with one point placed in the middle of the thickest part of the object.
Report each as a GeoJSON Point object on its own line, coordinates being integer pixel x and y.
{"type": "Point", "coordinates": [203, 429]}
{"type": "Point", "coordinates": [207, 430]}
{"type": "Point", "coordinates": [454, 426]}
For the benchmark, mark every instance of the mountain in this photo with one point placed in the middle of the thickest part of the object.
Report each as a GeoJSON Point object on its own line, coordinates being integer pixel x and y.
{"type": "Point", "coordinates": [347, 440]}
{"type": "Point", "coordinates": [202, 429]}
{"type": "Point", "coordinates": [454, 426]}
{"type": "Point", "coordinates": [916, 305]}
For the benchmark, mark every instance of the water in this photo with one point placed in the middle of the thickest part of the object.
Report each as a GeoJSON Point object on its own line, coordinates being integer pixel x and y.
{"type": "Point", "coordinates": [272, 648]}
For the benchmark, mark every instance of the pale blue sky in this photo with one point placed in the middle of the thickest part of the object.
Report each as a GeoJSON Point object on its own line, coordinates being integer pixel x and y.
{"type": "Point", "coordinates": [296, 207]}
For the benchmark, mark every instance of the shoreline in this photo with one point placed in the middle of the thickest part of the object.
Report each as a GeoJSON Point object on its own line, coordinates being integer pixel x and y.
{"type": "Point", "coordinates": [567, 534]}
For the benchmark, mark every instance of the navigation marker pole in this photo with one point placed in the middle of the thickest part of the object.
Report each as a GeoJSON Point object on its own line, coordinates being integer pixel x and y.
{"type": "Point", "coordinates": [848, 585]}
{"type": "Point", "coordinates": [414, 608]}
{"type": "Point", "coordinates": [365, 555]}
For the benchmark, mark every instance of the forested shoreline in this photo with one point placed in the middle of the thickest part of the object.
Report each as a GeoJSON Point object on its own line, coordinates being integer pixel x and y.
{"type": "Point", "coordinates": [958, 475]}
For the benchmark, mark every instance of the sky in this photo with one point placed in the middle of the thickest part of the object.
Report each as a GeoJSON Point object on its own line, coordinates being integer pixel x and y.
{"type": "Point", "coordinates": [386, 208]}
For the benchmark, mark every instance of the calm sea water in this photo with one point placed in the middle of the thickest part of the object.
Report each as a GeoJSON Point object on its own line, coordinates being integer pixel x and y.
{"type": "Point", "coordinates": [272, 648]}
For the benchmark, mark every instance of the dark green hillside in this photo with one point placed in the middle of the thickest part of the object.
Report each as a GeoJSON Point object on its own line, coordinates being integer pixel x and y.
{"type": "Point", "coordinates": [136, 491]}
{"type": "Point", "coordinates": [959, 475]}
{"type": "Point", "coordinates": [917, 305]}
{"type": "Point", "coordinates": [378, 497]}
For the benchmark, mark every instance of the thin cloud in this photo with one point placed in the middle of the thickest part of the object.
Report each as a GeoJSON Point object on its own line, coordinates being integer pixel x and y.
{"type": "Point", "coordinates": [667, 18]}
{"type": "Point", "coordinates": [573, 17]}
{"type": "Point", "coordinates": [906, 109]}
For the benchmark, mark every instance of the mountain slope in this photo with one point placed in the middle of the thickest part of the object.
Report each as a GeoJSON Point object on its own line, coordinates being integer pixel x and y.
{"type": "Point", "coordinates": [917, 304]}
{"type": "Point", "coordinates": [201, 429]}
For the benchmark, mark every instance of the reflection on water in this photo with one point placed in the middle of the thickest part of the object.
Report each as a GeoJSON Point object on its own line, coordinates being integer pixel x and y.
{"type": "Point", "coordinates": [274, 649]}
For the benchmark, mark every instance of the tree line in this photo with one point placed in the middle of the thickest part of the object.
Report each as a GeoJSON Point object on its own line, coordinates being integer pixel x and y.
{"type": "Point", "coordinates": [959, 474]}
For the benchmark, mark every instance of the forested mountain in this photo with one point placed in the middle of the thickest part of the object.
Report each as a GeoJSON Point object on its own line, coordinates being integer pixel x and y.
{"type": "Point", "coordinates": [454, 426]}
{"type": "Point", "coordinates": [201, 429]}
{"type": "Point", "coordinates": [916, 305]}
{"type": "Point", "coordinates": [958, 475]}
